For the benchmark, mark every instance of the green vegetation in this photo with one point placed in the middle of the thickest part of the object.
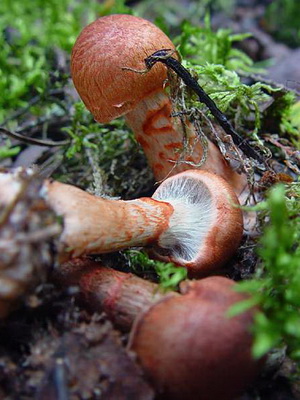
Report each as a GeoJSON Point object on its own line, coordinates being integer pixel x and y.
{"type": "Point", "coordinates": [201, 46]}
{"type": "Point", "coordinates": [7, 150]}
{"type": "Point", "coordinates": [108, 150]}
{"type": "Point", "coordinates": [32, 34]}
{"type": "Point", "coordinates": [169, 275]}
{"type": "Point", "coordinates": [85, 132]}
{"type": "Point", "coordinates": [283, 20]}
{"type": "Point", "coordinates": [275, 287]}
{"type": "Point", "coordinates": [285, 112]}
{"type": "Point", "coordinates": [29, 36]}
{"type": "Point", "coordinates": [218, 65]}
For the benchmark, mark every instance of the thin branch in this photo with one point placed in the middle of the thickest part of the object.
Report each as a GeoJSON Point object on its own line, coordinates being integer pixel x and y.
{"type": "Point", "coordinates": [29, 140]}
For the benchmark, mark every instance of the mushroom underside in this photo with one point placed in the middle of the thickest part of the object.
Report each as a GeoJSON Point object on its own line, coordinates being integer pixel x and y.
{"type": "Point", "coordinates": [192, 218]}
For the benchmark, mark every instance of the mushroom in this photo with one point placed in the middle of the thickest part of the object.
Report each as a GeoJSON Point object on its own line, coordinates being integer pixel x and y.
{"type": "Point", "coordinates": [99, 56]}
{"type": "Point", "coordinates": [186, 343]}
{"type": "Point", "coordinates": [202, 354]}
{"type": "Point", "coordinates": [192, 220]}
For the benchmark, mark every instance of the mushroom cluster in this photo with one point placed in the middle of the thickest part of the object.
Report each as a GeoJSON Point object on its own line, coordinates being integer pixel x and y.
{"type": "Point", "coordinates": [195, 208]}
{"type": "Point", "coordinates": [104, 58]}
{"type": "Point", "coordinates": [193, 219]}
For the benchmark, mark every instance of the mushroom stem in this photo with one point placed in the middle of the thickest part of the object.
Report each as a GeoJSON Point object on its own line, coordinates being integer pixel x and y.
{"type": "Point", "coordinates": [191, 220]}
{"type": "Point", "coordinates": [122, 296]}
{"type": "Point", "coordinates": [170, 147]}
{"type": "Point", "coordinates": [97, 225]}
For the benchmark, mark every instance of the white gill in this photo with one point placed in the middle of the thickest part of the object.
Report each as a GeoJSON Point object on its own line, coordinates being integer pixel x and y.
{"type": "Point", "coordinates": [192, 217]}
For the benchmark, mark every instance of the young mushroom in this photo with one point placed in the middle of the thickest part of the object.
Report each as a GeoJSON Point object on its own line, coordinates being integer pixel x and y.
{"type": "Point", "coordinates": [186, 343]}
{"type": "Point", "coordinates": [192, 220]}
{"type": "Point", "coordinates": [108, 90]}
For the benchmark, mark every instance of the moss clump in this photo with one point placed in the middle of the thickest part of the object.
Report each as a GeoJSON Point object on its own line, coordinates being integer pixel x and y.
{"type": "Point", "coordinates": [275, 287]}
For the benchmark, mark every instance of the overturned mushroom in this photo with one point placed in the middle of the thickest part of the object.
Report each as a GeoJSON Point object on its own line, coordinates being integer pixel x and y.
{"type": "Point", "coordinates": [187, 345]}
{"type": "Point", "coordinates": [99, 56]}
{"type": "Point", "coordinates": [192, 220]}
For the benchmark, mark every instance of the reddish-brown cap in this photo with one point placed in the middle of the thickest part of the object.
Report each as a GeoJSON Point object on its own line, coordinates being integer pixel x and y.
{"type": "Point", "coordinates": [191, 349]}
{"type": "Point", "coordinates": [100, 52]}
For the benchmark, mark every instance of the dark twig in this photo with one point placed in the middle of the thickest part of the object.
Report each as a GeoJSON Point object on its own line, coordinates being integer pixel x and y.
{"type": "Point", "coordinates": [39, 142]}
{"type": "Point", "coordinates": [165, 56]}
{"type": "Point", "coordinates": [52, 122]}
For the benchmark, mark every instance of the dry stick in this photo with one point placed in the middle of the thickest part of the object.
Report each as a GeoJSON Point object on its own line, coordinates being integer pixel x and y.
{"type": "Point", "coordinates": [39, 142]}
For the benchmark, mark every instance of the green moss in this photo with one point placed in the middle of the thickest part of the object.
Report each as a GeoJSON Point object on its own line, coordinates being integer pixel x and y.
{"type": "Point", "coordinates": [201, 45]}
{"type": "Point", "coordinates": [275, 287]}
{"type": "Point", "coordinates": [220, 68]}
{"type": "Point", "coordinates": [283, 20]}
{"type": "Point", "coordinates": [169, 275]}
{"type": "Point", "coordinates": [7, 150]}
{"type": "Point", "coordinates": [30, 34]}
{"type": "Point", "coordinates": [212, 57]}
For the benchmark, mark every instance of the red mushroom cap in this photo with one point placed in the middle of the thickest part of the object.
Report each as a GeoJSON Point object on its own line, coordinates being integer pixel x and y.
{"type": "Point", "coordinates": [191, 349]}
{"type": "Point", "coordinates": [101, 51]}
